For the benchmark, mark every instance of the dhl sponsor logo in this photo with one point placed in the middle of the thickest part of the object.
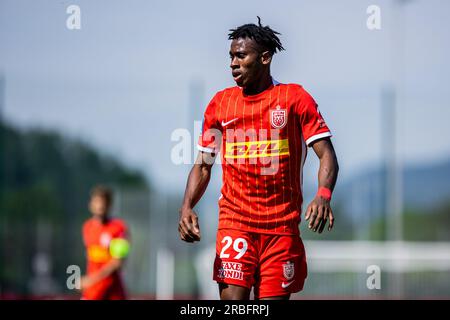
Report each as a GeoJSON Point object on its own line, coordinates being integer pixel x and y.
{"type": "Point", "coordinates": [98, 254]}
{"type": "Point", "coordinates": [256, 149]}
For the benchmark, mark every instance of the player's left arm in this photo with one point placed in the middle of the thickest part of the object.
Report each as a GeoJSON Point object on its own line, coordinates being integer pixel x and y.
{"type": "Point", "coordinates": [319, 210]}
{"type": "Point", "coordinates": [119, 249]}
{"type": "Point", "coordinates": [108, 269]}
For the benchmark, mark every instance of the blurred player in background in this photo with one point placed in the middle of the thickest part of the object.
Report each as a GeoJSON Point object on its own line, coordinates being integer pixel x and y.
{"type": "Point", "coordinates": [107, 245]}
{"type": "Point", "coordinates": [262, 129]}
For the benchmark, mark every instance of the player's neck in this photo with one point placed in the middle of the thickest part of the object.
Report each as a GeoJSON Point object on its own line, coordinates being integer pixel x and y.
{"type": "Point", "coordinates": [102, 220]}
{"type": "Point", "coordinates": [259, 87]}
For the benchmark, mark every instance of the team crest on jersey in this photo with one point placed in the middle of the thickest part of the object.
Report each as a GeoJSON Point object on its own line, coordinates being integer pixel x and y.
{"type": "Point", "coordinates": [278, 117]}
{"type": "Point", "coordinates": [288, 270]}
{"type": "Point", "coordinates": [105, 239]}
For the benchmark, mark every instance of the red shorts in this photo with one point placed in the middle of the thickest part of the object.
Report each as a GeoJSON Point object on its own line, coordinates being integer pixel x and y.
{"type": "Point", "coordinates": [274, 264]}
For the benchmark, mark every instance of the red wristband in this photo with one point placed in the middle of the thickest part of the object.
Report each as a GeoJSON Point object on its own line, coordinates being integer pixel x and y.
{"type": "Point", "coordinates": [324, 193]}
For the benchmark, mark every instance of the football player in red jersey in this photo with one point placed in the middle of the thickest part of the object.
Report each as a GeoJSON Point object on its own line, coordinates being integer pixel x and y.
{"type": "Point", "coordinates": [107, 245]}
{"type": "Point", "coordinates": [262, 129]}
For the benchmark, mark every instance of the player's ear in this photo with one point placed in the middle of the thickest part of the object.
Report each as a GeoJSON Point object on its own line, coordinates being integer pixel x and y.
{"type": "Point", "coordinates": [266, 57]}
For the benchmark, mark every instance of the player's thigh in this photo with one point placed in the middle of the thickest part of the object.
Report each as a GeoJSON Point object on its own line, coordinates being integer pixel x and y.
{"type": "Point", "coordinates": [233, 292]}
{"type": "Point", "coordinates": [283, 267]}
{"type": "Point", "coordinates": [236, 260]}
{"type": "Point", "coordinates": [116, 292]}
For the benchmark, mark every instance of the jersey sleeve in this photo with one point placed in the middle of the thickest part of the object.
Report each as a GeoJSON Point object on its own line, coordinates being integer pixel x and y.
{"type": "Point", "coordinates": [210, 138]}
{"type": "Point", "coordinates": [311, 121]}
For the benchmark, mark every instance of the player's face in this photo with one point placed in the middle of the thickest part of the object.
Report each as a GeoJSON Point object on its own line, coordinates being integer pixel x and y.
{"type": "Point", "coordinates": [98, 206]}
{"type": "Point", "coordinates": [246, 65]}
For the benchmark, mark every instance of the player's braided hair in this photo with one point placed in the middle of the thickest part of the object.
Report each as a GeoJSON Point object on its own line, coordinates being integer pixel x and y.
{"type": "Point", "coordinates": [263, 35]}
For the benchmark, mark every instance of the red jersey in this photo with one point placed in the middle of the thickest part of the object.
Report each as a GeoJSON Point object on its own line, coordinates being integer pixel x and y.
{"type": "Point", "coordinates": [97, 238]}
{"type": "Point", "coordinates": [262, 140]}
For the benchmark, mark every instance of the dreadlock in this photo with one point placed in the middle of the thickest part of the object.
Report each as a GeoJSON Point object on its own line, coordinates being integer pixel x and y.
{"type": "Point", "coordinates": [263, 35]}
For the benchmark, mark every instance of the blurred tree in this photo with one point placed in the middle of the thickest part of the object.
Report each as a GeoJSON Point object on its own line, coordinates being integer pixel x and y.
{"type": "Point", "coordinates": [430, 224]}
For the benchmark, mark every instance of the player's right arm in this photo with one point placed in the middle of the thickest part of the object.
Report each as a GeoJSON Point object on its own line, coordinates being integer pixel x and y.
{"type": "Point", "coordinates": [209, 146]}
{"type": "Point", "coordinates": [195, 188]}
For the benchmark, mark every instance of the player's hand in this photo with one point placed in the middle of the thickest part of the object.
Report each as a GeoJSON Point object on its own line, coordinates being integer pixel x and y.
{"type": "Point", "coordinates": [318, 212]}
{"type": "Point", "coordinates": [86, 282]}
{"type": "Point", "coordinates": [188, 226]}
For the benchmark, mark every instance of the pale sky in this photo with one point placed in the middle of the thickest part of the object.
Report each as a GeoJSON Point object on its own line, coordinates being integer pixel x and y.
{"type": "Point", "coordinates": [122, 81]}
